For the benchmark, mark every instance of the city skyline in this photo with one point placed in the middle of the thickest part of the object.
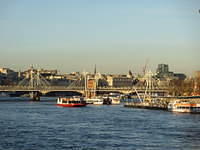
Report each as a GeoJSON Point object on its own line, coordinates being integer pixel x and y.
{"type": "Point", "coordinates": [117, 36]}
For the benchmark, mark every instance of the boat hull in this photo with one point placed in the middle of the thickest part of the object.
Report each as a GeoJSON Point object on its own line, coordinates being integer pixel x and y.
{"type": "Point", "coordinates": [72, 105]}
{"type": "Point", "coordinates": [188, 110]}
{"type": "Point", "coordinates": [185, 111]}
{"type": "Point", "coordinates": [115, 102]}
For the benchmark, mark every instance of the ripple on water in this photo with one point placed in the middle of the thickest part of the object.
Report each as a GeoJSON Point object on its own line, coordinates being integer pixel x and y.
{"type": "Point", "coordinates": [33, 126]}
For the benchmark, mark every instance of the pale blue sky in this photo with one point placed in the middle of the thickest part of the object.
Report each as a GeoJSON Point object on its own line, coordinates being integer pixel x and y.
{"type": "Point", "coordinates": [117, 35]}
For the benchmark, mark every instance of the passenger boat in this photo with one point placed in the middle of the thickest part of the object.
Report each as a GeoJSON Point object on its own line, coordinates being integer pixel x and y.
{"type": "Point", "coordinates": [73, 101]}
{"type": "Point", "coordinates": [115, 100]}
{"type": "Point", "coordinates": [94, 100]}
{"type": "Point", "coordinates": [184, 106]}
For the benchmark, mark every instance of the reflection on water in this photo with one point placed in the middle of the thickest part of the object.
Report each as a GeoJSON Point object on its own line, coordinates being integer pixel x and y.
{"type": "Point", "coordinates": [43, 125]}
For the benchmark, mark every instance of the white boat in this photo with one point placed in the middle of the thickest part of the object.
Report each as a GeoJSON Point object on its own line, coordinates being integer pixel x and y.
{"type": "Point", "coordinates": [73, 101]}
{"type": "Point", "coordinates": [184, 106]}
{"type": "Point", "coordinates": [94, 100]}
{"type": "Point", "coordinates": [115, 100]}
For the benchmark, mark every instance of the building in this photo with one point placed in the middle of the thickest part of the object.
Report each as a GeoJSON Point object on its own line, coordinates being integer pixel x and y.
{"type": "Point", "coordinates": [119, 81]}
{"type": "Point", "coordinates": [180, 76]}
{"type": "Point", "coordinates": [163, 72]}
{"type": "Point", "coordinates": [6, 70]}
{"type": "Point", "coordinates": [8, 76]}
{"type": "Point", "coordinates": [197, 74]}
{"type": "Point", "coordinates": [47, 73]}
{"type": "Point", "coordinates": [162, 68]}
{"type": "Point", "coordinates": [196, 88]}
{"type": "Point", "coordinates": [2, 78]}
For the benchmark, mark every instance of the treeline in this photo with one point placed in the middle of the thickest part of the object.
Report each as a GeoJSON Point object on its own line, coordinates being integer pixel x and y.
{"type": "Point", "coordinates": [188, 87]}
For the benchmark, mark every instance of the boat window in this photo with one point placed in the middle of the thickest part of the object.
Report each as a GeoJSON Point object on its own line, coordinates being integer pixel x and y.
{"type": "Point", "coordinates": [181, 107]}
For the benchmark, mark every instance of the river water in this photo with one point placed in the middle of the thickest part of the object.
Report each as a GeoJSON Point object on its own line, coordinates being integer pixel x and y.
{"type": "Point", "coordinates": [26, 125]}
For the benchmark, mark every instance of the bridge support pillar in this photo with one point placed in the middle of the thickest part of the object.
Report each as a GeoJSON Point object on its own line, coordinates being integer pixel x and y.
{"type": "Point", "coordinates": [35, 96]}
{"type": "Point", "coordinates": [90, 93]}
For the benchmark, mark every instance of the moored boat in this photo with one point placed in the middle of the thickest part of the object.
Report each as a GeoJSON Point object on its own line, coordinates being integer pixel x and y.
{"type": "Point", "coordinates": [73, 101]}
{"type": "Point", "coordinates": [184, 106]}
{"type": "Point", "coordinates": [115, 100]}
{"type": "Point", "coordinates": [94, 100]}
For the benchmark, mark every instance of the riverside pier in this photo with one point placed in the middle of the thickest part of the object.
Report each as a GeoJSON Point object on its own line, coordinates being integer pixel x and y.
{"type": "Point", "coordinates": [161, 103]}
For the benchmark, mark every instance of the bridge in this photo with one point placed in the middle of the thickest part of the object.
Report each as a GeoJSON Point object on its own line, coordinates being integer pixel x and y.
{"type": "Point", "coordinates": [36, 85]}
{"type": "Point", "coordinates": [47, 89]}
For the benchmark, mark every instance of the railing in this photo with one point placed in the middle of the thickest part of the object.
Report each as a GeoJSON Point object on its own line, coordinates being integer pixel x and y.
{"type": "Point", "coordinates": [131, 88]}
{"type": "Point", "coordinates": [66, 88]}
{"type": "Point", "coordinates": [17, 88]}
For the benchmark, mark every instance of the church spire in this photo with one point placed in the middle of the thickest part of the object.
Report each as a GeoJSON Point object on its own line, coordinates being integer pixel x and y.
{"type": "Point", "coordinates": [95, 69]}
